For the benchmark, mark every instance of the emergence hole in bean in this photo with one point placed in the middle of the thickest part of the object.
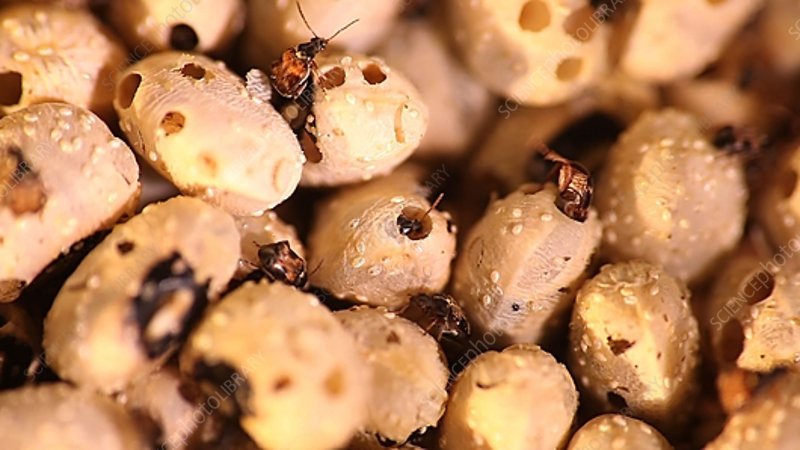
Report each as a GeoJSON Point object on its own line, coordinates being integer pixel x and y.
{"type": "Point", "coordinates": [569, 69]}
{"type": "Point", "coordinates": [414, 223]}
{"type": "Point", "coordinates": [616, 401]}
{"type": "Point", "coordinates": [373, 74]}
{"type": "Point", "coordinates": [282, 383]}
{"type": "Point", "coordinates": [193, 71]}
{"type": "Point", "coordinates": [788, 183]}
{"type": "Point", "coordinates": [334, 383]}
{"type": "Point", "coordinates": [731, 341]}
{"type": "Point", "coordinates": [333, 78]}
{"type": "Point", "coordinates": [183, 37]}
{"type": "Point", "coordinates": [310, 149]}
{"type": "Point", "coordinates": [127, 88]}
{"type": "Point", "coordinates": [619, 346]}
{"type": "Point", "coordinates": [172, 122]}
{"type": "Point", "coordinates": [535, 16]}
{"type": "Point", "coordinates": [580, 24]}
{"type": "Point", "coordinates": [762, 284]}
{"type": "Point", "coordinates": [10, 88]}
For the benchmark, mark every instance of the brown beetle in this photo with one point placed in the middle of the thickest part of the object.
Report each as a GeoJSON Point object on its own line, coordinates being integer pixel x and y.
{"type": "Point", "coordinates": [438, 314]}
{"type": "Point", "coordinates": [291, 72]}
{"type": "Point", "coordinates": [280, 263]}
{"type": "Point", "coordinates": [574, 185]}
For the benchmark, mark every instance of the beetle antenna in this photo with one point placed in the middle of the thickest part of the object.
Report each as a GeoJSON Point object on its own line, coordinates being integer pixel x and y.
{"type": "Point", "coordinates": [317, 268]}
{"type": "Point", "coordinates": [342, 29]}
{"type": "Point", "coordinates": [303, 16]}
{"type": "Point", "coordinates": [434, 205]}
{"type": "Point", "coordinates": [551, 155]}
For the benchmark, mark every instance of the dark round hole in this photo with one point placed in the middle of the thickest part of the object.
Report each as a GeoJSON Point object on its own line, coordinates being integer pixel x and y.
{"type": "Point", "coordinates": [193, 71]}
{"type": "Point", "coordinates": [762, 283]}
{"type": "Point", "coordinates": [310, 149]}
{"type": "Point", "coordinates": [534, 16]}
{"type": "Point", "coordinates": [616, 401]}
{"type": "Point", "coordinates": [173, 122]}
{"type": "Point", "coordinates": [731, 341]}
{"type": "Point", "coordinates": [373, 74]}
{"type": "Point", "coordinates": [10, 88]}
{"type": "Point", "coordinates": [126, 91]}
{"type": "Point", "coordinates": [183, 37]}
{"type": "Point", "coordinates": [414, 223]}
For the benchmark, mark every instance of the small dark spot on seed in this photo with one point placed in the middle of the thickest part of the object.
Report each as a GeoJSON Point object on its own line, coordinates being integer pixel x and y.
{"type": "Point", "coordinates": [393, 338]}
{"type": "Point", "coordinates": [515, 307]}
{"type": "Point", "coordinates": [334, 383]}
{"type": "Point", "coordinates": [210, 163]}
{"type": "Point", "coordinates": [125, 247]}
{"type": "Point", "coordinates": [282, 383]}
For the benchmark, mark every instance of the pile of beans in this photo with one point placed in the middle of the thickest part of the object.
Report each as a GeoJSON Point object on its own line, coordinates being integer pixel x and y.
{"type": "Point", "coordinates": [414, 224]}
